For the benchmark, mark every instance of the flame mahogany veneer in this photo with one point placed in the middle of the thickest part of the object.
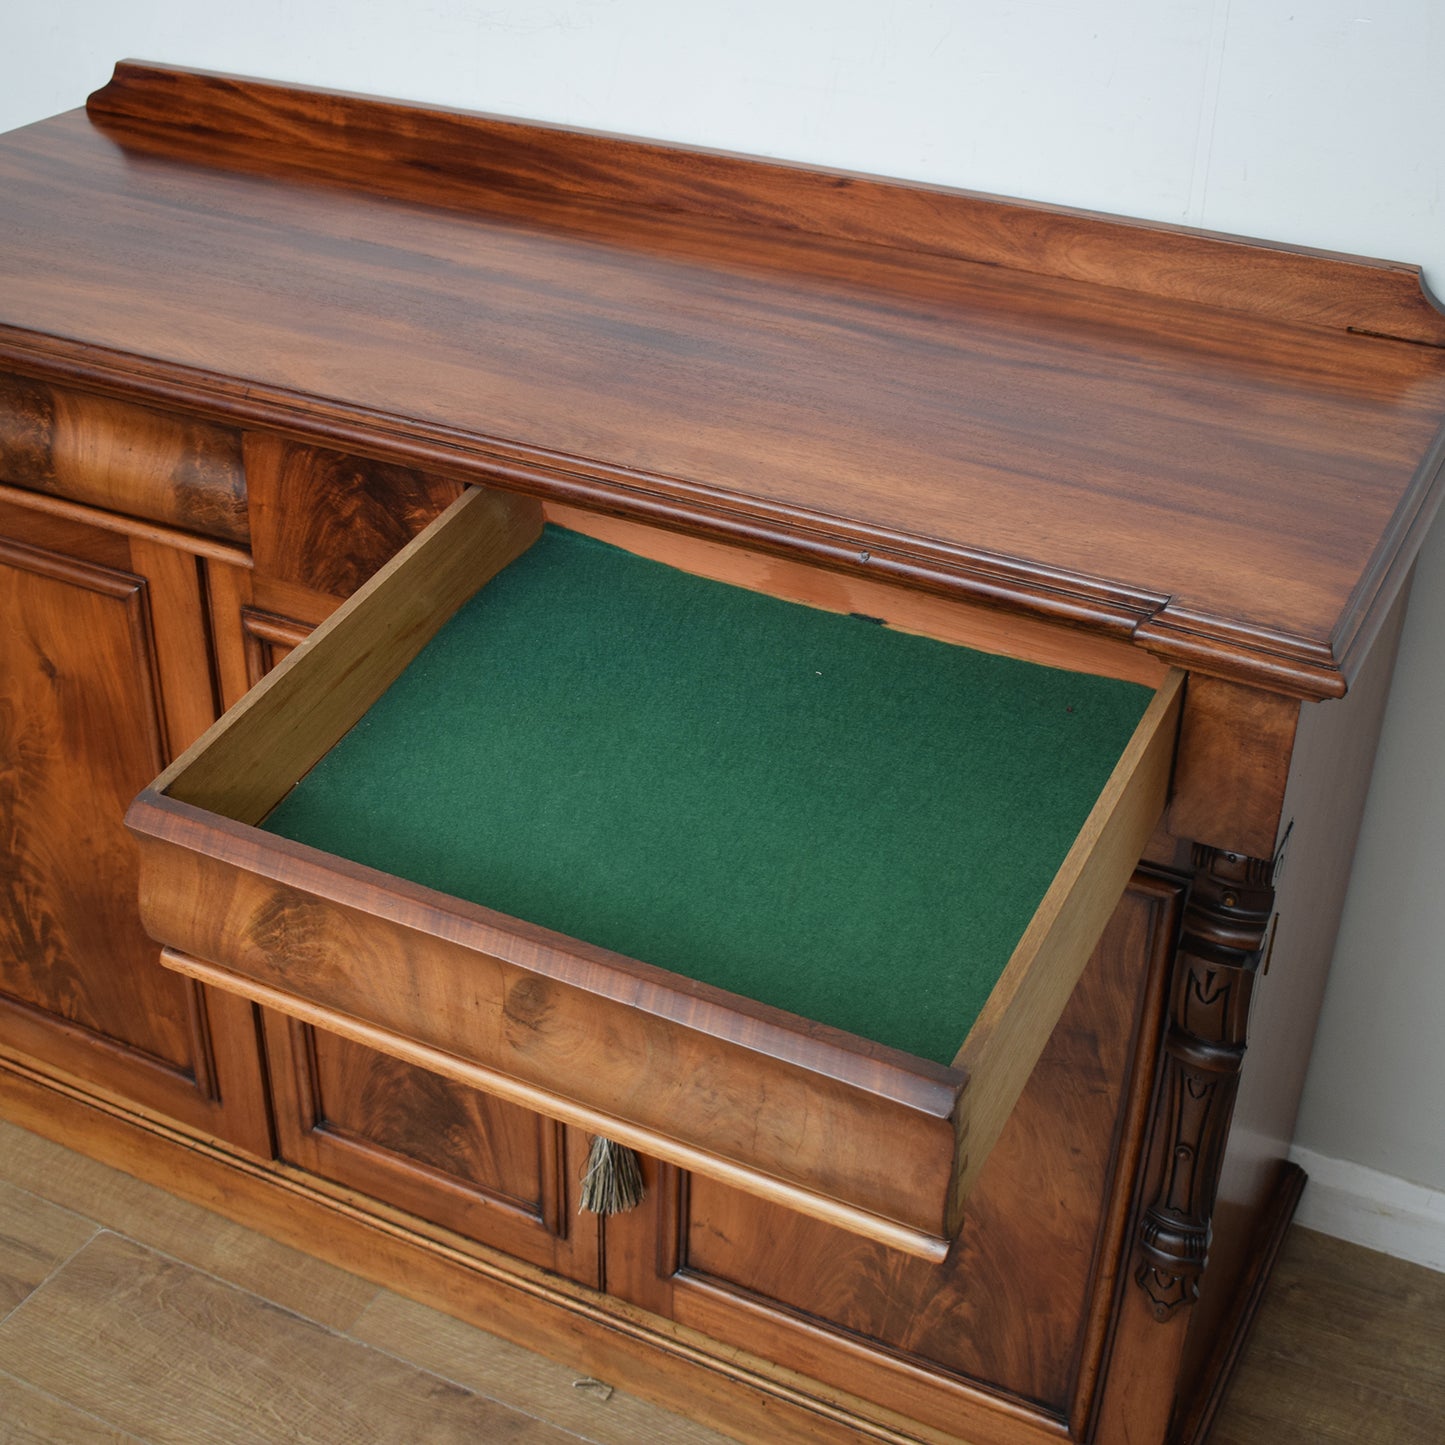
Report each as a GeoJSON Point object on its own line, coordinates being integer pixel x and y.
{"type": "Point", "coordinates": [256, 339]}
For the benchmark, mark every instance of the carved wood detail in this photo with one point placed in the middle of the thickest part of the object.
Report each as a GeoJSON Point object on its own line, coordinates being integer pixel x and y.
{"type": "Point", "coordinates": [1225, 931]}
{"type": "Point", "coordinates": [998, 1313]}
{"type": "Point", "coordinates": [874, 386]}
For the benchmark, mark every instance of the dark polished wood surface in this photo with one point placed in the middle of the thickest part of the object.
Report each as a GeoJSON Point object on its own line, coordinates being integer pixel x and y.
{"type": "Point", "coordinates": [847, 1131]}
{"type": "Point", "coordinates": [447, 156]}
{"type": "Point", "coordinates": [254, 338]}
{"type": "Point", "coordinates": [1235, 490]}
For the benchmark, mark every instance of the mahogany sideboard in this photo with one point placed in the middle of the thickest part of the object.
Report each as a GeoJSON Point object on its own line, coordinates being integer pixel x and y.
{"type": "Point", "coordinates": [275, 360]}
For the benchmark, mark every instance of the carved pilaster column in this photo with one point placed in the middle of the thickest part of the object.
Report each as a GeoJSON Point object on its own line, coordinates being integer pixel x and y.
{"type": "Point", "coordinates": [1225, 927]}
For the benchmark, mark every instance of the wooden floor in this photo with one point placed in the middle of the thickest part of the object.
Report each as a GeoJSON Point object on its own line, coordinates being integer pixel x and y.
{"type": "Point", "coordinates": [1348, 1349]}
{"type": "Point", "coordinates": [129, 1316]}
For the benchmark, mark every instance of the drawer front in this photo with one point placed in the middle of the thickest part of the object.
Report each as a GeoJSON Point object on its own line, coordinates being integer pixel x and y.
{"type": "Point", "coordinates": [120, 457]}
{"type": "Point", "coordinates": [853, 1133]}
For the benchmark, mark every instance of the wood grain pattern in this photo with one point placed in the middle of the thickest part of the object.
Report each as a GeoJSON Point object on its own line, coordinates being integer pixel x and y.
{"type": "Point", "coordinates": [481, 1168]}
{"type": "Point", "coordinates": [1348, 1349]}
{"type": "Point", "coordinates": [1333, 754]}
{"type": "Point", "coordinates": [1300, 1357]}
{"type": "Point", "coordinates": [123, 458]}
{"type": "Point", "coordinates": [298, 604]}
{"type": "Point", "coordinates": [526, 1380]}
{"type": "Point", "coordinates": [519, 1019]}
{"type": "Point", "coordinates": [411, 1137]}
{"type": "Point", "coordinates": [174, 589]}
{"type": "Point", "coordinates": [466, 1136]}
{"type": "Point", "coordinates": [36, 1240]}
{"type": "Point", "coordinates": [161, 1219]}
{"type": "Point", "coordinates": [1235, 745]}
{"type": "Point", "coordinates": [518, 1014]}
{"type": "Point", "coordinates": [1306, 1375]}
{"type": "Point", "coordinates": [1165, 887]}
{"type": "Point", "coordinates": [327, 521]}
{"type": "Point", "coordinates": [1007, 1309]}
{"type": "Point", "coordinates": [28, 517]}
{"type": "Point", "coordinates": [1168, 1356]}
{"type": "Point", "coordinates": [1237, 492]}
{"type": "Point", "coordinates": [103, 668]}
{"type": "Point", "coordinates": [35, 1237]}
{"type": "Point", "coordinates": [190, 1358]}
{"type": "Point", "coordinates": [38, 504]}
{"type": "Point", "coordinates": [781, 1142]}
{"type": "Point", "coordinates": [83, 728]}
{"type": "Point", "coordinates": [1197, 1408]}
{"type": "Point", "coordinates": [736, 1390]}
{"type": "Point", "coordinates": [228, 596]}
{"type": "Point", "coordinates": [1138, 1397]}
{"type": "Point", "coordinates": [269, 639]}
{"type": "Point", "coordinates": [31, 1417]}
{"type": "Point", "coordinates": [435, 153]}
{"type": "Point", "coordinates": [1150, 1388]}
{"type": "Point", "coordinates": [1133, 443]}
{"type": "Point", "coordinates": [248, 639]}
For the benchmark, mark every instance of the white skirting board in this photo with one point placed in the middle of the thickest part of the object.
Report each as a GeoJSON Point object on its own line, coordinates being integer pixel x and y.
{"type": "Point", "coordinates": [1376, 1210]}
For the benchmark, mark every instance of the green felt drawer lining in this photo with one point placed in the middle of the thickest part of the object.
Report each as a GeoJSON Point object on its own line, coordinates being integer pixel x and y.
{"type": "Point", "coordinates": [807, 809]}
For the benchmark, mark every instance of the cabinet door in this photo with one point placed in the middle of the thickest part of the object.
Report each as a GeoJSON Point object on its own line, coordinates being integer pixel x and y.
{"type": "Point", "coordinates": [490, 1171]}
{"type": "Point", "coordinates": [1020, 1305]}
{"type": "Point", "coordinates": [487, 1170]}
{"type": "Point", "coordinates": [105, 673]}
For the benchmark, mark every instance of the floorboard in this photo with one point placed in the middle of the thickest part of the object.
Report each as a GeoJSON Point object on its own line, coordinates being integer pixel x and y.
{"type": "Point", "coordinates": [183, 1231]}
{"type": "Point", "coordinates": [1349, 1347]}
{"type": "Point", "coordinates": [160, 1350]}
{"type": "Point", "coordinates": [36, 1237]}
{"type": "Point", "coordinates": [30, 1417]}
{"type": "Point", "coordinates": [128, 1317]}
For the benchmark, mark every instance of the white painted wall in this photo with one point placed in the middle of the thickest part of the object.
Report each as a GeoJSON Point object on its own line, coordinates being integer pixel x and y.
{"type": "Point", "coordinates": [1321, 123]}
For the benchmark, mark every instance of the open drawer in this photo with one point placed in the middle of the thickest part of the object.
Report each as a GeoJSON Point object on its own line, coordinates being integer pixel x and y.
{"type": "Point", "coordinates": [809, 912]}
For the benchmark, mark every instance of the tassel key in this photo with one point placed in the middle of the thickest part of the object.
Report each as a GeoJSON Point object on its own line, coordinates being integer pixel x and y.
{"type": "Point", "coordinates": [612, 1180]}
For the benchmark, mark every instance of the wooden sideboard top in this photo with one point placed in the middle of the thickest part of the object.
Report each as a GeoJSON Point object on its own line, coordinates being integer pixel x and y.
{"type": "Point", "coordinates": [1226, 451]}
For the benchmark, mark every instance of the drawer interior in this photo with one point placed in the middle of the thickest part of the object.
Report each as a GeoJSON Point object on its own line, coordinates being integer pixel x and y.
{"type": "Point", "coordinates": [807, 809]}
{"type": "Point", "coordinates": [775, 893]}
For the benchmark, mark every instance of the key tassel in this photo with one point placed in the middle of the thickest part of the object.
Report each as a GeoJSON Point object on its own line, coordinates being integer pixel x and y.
{"type": "Point", "coordinates": [612, 1180]}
